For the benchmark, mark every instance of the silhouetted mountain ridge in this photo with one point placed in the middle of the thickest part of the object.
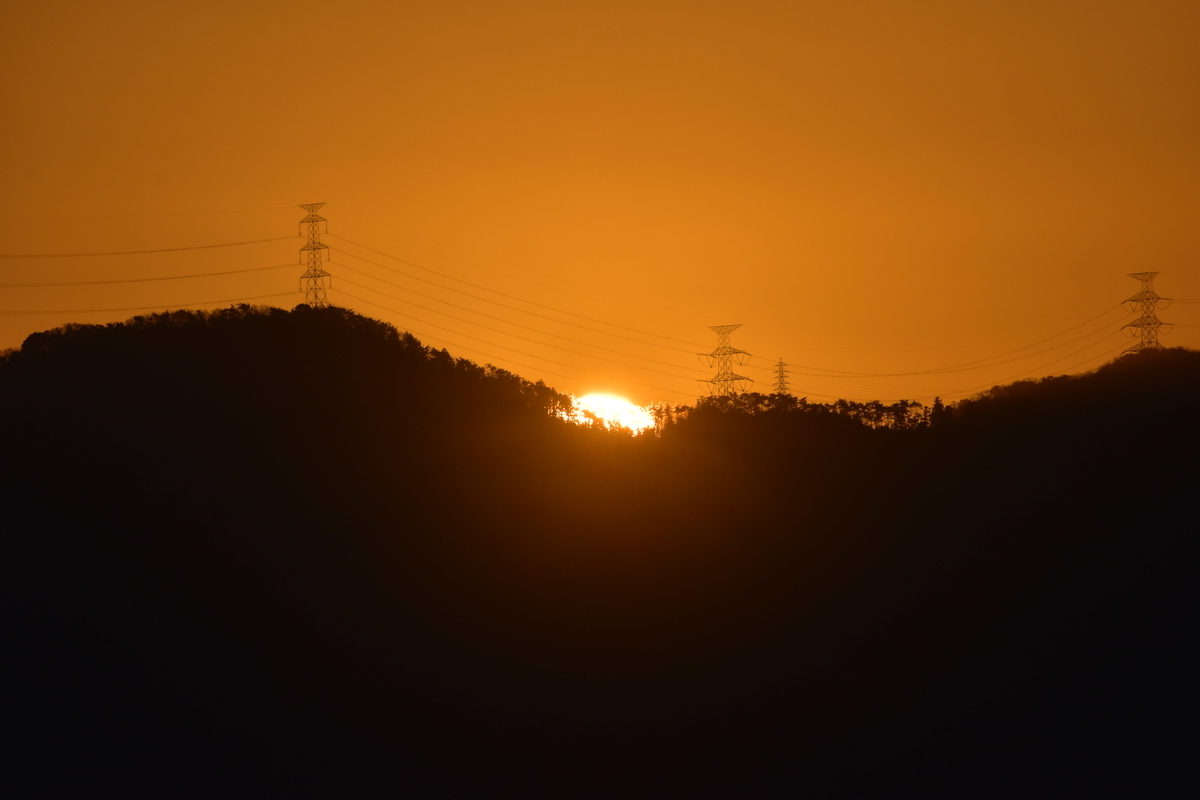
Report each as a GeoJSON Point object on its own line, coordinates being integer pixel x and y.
{"type": "Point", "coordinates": [260, 552]}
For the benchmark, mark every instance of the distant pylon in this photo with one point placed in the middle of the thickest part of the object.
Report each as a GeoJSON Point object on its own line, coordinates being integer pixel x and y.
{"type": "Point", "coordinates": [726, 383]}
{"type": "Point", "coordinates": [1147, 302]}
{"type": "Point", "coordinates": [314, 277]}
{"type": "Point", "coordinates": [781, 379]}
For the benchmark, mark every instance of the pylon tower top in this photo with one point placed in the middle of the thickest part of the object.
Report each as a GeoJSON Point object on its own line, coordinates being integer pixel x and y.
{"type": "Point", "coordinates": [1147, 302]}
{"type": "Point", "coordinates": [726, 382]}
{"type": "Point", "coordinates": [313, 279]}
{"type": "Point", "coordinates": [781, 377]}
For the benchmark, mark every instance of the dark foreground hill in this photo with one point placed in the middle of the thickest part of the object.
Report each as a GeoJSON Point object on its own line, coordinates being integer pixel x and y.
{"type": "Point", "coordinates": [259, 553]}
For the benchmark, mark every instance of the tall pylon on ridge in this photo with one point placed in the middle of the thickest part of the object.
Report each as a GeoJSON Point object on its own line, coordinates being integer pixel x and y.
{"type": "Point", "coordinates": [1147, 301]}
{"type": "Point", "coordinates": [726, 382]}
{"type": "Point", "coordinates": [314, 277]}
{"type": "Point", "coordinates": [781, 377]}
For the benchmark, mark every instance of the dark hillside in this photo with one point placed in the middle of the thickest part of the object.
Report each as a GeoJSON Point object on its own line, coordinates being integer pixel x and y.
{"type": "Point", "coordinates": [259, 553]}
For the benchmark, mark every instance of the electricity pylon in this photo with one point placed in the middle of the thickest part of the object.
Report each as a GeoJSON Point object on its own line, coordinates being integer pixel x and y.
{"type": "Point", "coordinates": [726, 382]}
{"type": "Point", "coordinates": [314, 277]}
{"type": "Point", "coordinates": [781, 379]}
{"type": "Point", "coordinates": [1147, 302]}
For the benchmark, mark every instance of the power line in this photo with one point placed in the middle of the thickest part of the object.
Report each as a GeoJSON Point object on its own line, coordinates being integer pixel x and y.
{"type": "Point", "coordinates": [966, 366]}
{"type": "Point", "coordinates": [492, 316]}
{"type": "Point", "coordinates": [496, 303]}
{"type": "Point", "coordinates": [144, 308]}
{"type": "Point", "coordinates": [142, 280]}
{"type": "Point", "coordinates": [1105, 354]}
{"type": "Point", "coordinates": [978, 363]}
{"type": "Point", "coordinates": [516, 272]}
{"type": "Point", "coordinates": [1028, 355]}
{"type": "Point", "coordinates": [1043, 366]}
{"type": "Point", "coordinates": [143, 252]}
{"type": "Point", "coordinates": [467, 335]}
{"type": "Point", "coordinates": [514, 335]}
{"type": "Point", "coordinates": [971, 365]}
{"type": "Point", "coordinates": [859, 388]}
{"type": "Point", "coordinates": [453, 344]}
{"type": "Point", "coordinates": [485, 341]}
{"type": "Point", "coordinates": [147, 216]}
{"type": "Point", "coordinates": [513, 297]}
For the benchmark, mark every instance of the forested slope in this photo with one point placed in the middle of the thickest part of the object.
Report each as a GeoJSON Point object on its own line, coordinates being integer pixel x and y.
{"type": "Point", "coordinates": [267, 553]}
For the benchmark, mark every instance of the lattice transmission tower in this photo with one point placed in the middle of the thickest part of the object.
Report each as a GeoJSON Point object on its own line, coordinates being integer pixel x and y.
{"type": "Point", "coordinates": [314, 277]}
{"type": "Point", "coordinates": [1147, 301]}
{"type": "Point", "coordinates": [781, 377]}
{"type": "Point", "coordinates": [726, 382]}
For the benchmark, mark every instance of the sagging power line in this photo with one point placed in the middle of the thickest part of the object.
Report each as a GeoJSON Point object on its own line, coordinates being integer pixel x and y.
{"type": "Point", "coordinates": [145, 252]}
{"type": "Point", "coordinates": [512, 297]}
{"type": "Point", "coordinates": [343, 265]}
{"type": "Point", "coordinates": [144, 308]}
{"type": "Point", "coordinates": [503, 347]}
{"type": "Point", "coordinates": [315, 284]}
{"type": "Point", "coordinates": [142, 280]}
{"type": "Point", "coordinates": [1026, 352]}
{"type": "Point", "coordinates": [516, 335]}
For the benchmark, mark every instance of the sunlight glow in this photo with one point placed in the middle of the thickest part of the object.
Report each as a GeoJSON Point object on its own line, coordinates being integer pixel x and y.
{"type": "Point", "coordinates": [616, 412]}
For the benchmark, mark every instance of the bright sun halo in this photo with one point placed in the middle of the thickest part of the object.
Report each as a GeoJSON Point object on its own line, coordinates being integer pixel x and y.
{"type": "Point", "coordinates": [613, 410]}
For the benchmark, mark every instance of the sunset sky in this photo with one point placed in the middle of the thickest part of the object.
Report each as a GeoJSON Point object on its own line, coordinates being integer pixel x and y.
{"type": "Point", "coordinates": [580, 189]}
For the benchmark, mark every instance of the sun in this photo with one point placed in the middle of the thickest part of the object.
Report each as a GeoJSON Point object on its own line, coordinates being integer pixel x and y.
{"type": "Point", "coordinates": [612, 410]}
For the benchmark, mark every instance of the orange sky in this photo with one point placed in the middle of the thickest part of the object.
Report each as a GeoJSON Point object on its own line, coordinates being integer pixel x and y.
{"type": "Point", "coordinates": [865, 186]}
